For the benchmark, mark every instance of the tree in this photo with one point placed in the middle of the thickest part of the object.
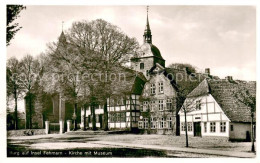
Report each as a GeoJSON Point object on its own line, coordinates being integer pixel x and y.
{"type": "Point", "coordinates": [29, 70]}
{"type": "Point", "coordinates": [64, 63]}
{"type": "Point", "coordinates": [13, 84]}
{"type": "Point", "coordinates": [13, 12]}
{"type": "Point", "coordinates": [102, 48]}
{"type": "Point", "coordinates": [42, 100]}
{"type": "Point", "coordinates": [248, 98]}
{"type": "Point", "coordinates": [188, 105]}
{"type": "Point", "coordinates": [188, 67]}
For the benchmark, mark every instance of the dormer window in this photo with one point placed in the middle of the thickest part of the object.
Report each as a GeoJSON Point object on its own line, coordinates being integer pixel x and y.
{"type": "Point", "coordinates": [141, 66]}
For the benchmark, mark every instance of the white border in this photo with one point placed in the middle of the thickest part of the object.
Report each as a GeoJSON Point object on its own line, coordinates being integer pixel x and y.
{"type": "Point", "coordinates": [107, 2]}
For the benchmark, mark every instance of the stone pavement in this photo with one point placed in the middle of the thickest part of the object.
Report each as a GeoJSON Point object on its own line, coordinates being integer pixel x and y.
{"type": "Point", "coordinates": [190, 150]}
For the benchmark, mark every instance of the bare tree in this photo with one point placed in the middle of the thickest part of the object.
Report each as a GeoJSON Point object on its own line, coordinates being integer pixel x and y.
{"type": "Point", "coordinates": [189, 105]}
{"type": "Point", "coordinates": [102, 48]}
{"type": "Point", "coordinates": [29, 69]}
{"type": "Point", "coordinates": [14, 89]}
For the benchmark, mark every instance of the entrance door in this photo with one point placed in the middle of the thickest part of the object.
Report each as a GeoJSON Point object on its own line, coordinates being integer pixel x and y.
{"type": "Point", "coordinates": [197, 129]}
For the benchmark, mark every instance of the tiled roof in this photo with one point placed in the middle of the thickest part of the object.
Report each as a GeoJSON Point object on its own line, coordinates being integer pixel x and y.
{"type": "Point", "coordinates": [223, 92]}
{"type": "Point", "coordinates": [132, 84]}
{"type": "Point", "coordinates": [201, 89]}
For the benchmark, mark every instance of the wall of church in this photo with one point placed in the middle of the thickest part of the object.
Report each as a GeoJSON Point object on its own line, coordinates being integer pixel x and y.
{"type": "Point", "coordinates": [147, 62]}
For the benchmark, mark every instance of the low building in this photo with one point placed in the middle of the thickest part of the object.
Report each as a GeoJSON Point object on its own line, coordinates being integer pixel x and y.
{"type": "Point", "coordinates": [213, 109]}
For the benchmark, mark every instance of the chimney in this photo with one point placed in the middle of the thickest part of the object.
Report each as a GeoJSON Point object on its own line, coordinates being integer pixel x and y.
{"type": "Point", "coordinates": [229, 78]}
{"type": "Point", "coordinates": [207, 71]}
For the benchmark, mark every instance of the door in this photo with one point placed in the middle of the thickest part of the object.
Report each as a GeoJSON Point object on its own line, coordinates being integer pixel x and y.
{"type": "Point", "coordinates": [197, 129]}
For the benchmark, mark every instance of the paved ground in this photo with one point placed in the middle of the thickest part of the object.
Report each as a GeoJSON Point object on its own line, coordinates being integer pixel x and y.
{"type": "Point", "coordinates": [124, 145]}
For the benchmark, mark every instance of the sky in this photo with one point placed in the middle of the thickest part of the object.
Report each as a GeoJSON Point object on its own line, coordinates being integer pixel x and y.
{"type": "Point", "coordinates": [222, 38]}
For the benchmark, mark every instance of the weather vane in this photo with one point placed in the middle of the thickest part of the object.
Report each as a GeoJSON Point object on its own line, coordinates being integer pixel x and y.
{"type": "Point", "coordinates": [147, 8]}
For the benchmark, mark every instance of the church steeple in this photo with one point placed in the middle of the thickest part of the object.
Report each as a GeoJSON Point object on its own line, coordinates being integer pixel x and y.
{"type": "Point", "coordinates": [62, 38]}
{"type": "Point", "coordinates": [147, 32]}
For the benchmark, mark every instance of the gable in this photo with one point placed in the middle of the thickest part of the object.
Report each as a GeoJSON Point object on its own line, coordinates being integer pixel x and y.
{"type": "Point", "coordinates": [169, 90]}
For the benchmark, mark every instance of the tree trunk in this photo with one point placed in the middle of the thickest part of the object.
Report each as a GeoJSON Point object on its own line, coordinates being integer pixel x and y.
{"type": "Point", "coordinates": [84, 118]}
{"type": "Point", "coordinates": [149, 123]}
{"type": "Point", "coordinates": [252, 133]}
{"type": "Point", "coordinates": [30, 111]}
{"type": "Point", "coordinates": [15, 111]}
{"type": "Point", "coordinates": [186, 130]}
{"type": "Point", "coordinates": [94, 128]}
{"type": "Point", "coordinates": [105, 117]}
{"type": "Point", "coordinates": [43, 121]}
{"type": "Point", "coordinates": [75, 113]}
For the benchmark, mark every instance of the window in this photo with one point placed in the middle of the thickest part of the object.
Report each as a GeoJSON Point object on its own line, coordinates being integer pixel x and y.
{"type": "Point", "coordinates": [231, 128]}
{"type": "Point", "coordinates": [123, 117]}
{"type": "Point", "coordinates": [161, 87]}
{"type": "Point", "coordinates": [145, 106]}
{"type": "Point", "coordinates": [140, 124]}
{"type": "Point", "coordinates": [205, 127]}
{"type": "Point", "coordinates": [162, 123]}
{"type": "Point", "coordinates": [169, 121]}
{"type": "Point", "coordinates": [169, 104]}
{"type": "Point", "coordinates": [118, 119]}
{"type": "Point", "coordinates": [212, 126]}
{"type": "Point", "coordinates": [189, 126]}
{"type": "Point", "coordinates": [198, 105]}
{"type": "Point", "coordinates": [222, 126]}
{"type": "Point", "coordinates": [146, 123]}
{"type": "Point", "coordinates": [160, 105]}
{"type": "Point", "coordinates": [153, 122]}
{"type": "Point", "coordinates": [152, 106]}
{"type": "Point", "coordinates": [182, 126]}
{"type": "Point", "coordinates": [141, 66]}
{"type": "Point", "coordinates": [152, 89]}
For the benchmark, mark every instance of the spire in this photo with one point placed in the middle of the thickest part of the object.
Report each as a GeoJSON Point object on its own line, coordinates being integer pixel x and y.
{"type": "Point", "coordinates": [62, 38]}
{"type": "Point", "coordinates": [147, 31]}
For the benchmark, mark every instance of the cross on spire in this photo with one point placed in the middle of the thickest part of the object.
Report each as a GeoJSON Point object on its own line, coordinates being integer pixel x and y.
{"type": "Point", "coordinates": [62, 25]}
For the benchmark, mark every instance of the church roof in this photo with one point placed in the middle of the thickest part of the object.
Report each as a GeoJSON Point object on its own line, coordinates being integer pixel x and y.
{"type": "Point", "coordinates": [150, 50]}
{"type": "Point", "coordinates": [223, 92]}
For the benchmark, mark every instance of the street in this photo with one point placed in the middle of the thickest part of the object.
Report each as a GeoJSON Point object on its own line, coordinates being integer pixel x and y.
{"type": "Point", "coordinates": [82, 144]}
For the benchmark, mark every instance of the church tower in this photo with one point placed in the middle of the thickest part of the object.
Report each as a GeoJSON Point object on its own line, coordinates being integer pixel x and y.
{"type": "Point", "coordinates": [148, 54]}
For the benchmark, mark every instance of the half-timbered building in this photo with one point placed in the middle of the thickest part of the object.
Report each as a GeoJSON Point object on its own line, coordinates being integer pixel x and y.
{"type": "Point", "coordinates": [213, 110]}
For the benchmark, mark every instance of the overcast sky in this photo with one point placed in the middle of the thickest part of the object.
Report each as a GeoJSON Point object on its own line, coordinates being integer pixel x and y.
{"type": "Point", "coordinates": [222, 38]}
